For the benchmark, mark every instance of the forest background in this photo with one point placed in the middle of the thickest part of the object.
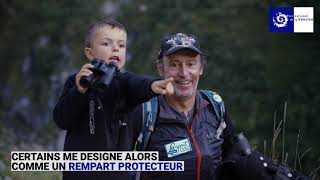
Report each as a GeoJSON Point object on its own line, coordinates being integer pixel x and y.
{"type": "Point", "coordinates": [267, 80]}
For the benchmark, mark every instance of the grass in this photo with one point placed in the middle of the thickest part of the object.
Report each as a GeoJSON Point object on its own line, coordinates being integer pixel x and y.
{"type": "Point", "coordinates": [314, 172]}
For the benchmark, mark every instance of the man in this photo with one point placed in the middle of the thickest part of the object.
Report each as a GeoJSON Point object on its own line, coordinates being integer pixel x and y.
{"type": "Point", "coordinates": [186, 118]}
{"type": "Point", "coordinates": [189, 127]}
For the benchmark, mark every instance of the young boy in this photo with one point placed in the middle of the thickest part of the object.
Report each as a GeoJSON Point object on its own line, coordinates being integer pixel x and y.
{"type": "Point", "coordinates": [96, 120]}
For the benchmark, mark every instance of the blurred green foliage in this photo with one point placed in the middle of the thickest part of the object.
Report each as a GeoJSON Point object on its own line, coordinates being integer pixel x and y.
{"type": "Point", "coordinates": [255, 71]}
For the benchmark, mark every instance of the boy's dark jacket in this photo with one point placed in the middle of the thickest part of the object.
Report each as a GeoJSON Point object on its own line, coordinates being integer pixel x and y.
{"type": "Point", "coordinates": [112, 130]}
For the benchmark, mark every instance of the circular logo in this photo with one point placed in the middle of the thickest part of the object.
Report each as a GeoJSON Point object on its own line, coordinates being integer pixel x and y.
{"type": "Point", "coordinates": [280, 20]}
{"type": "Point", "coordinates": [217, 98]}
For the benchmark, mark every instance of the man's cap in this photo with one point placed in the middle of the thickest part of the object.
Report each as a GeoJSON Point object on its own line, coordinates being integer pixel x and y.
{"type": "Point", "coordinates": [174, 42]}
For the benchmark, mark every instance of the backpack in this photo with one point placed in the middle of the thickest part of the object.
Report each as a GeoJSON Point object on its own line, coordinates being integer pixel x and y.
{"type": "Point", "coordinates": [150, 111]}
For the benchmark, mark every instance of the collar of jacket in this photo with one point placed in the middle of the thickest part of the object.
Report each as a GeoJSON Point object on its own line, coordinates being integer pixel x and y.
{"type": "Point", "coordinates": [167, 112]}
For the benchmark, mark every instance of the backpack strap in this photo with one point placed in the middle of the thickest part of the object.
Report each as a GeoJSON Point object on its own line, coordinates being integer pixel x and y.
{"type": "Point", "coordinates": [149, 116]}
{"type": "Point", "coordinates": [219, 109]}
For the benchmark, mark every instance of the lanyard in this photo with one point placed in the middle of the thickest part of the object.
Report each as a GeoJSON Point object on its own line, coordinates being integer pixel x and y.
{"type": "Point", "coordinates": [91, 113]}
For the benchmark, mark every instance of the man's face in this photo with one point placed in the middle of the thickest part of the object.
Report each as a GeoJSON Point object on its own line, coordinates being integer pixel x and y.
{"type": "Point", "coordinates": [108, 44]}
{"type": "Point", "coordinates": [185, 67]}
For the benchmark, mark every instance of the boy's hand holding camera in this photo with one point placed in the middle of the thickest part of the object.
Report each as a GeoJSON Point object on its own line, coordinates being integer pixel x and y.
{"type": "Point", "coordinates": [84, 71]}
{"type": "Point", "coordinates": [161, 87]}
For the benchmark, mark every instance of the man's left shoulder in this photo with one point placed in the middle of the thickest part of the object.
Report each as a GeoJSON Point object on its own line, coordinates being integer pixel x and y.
{"type": "Point", "coordinates": [210, 95]}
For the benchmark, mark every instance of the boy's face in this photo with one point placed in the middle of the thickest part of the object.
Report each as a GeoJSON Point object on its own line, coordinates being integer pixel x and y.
{"type": "Point", "coordinates": [108, 44]}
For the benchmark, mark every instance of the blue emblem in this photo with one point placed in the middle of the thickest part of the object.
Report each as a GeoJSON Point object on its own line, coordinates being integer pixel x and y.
{"type": "Point", "coordinates": [281, 19]}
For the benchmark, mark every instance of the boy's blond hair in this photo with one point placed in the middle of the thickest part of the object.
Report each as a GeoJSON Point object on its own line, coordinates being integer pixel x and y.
{"type": "Point", "coordinates": [100, 24]}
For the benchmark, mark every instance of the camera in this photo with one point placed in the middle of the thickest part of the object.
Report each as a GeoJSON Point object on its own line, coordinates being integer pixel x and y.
{"type": "Point", "coordinates": [102, 71]}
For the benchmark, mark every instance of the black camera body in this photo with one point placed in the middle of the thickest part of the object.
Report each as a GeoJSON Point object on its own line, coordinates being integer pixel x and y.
{"type": "Point", "coordinates": [102, 71]}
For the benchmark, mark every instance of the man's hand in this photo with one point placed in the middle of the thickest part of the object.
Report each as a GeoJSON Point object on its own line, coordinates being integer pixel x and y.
{"type": "Point", "coordinates": [84, 71]}
{"type": "Point", "coordinates": [163, 87]}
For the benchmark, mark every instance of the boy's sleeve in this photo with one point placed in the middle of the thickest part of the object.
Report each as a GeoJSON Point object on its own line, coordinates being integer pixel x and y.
{"type": "Point", "coordinates": [70, 105]}
{"type": "Point", "coordinates": [138, 88]}
{"type": "Point", "coordinates": [135, 118]}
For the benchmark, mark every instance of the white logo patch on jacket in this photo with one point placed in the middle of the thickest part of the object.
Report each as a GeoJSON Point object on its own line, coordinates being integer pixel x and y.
{"type": "Point", "coordinates": [178, 147]}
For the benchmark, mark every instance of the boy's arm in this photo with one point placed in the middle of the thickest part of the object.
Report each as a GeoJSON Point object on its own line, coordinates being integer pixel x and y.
{"type": "Point", "coordinates": [139, 89]}
{"type": "Point", "coordinates": [70, 105]}
{"type": "Point", "coordinates": [135, 120]}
